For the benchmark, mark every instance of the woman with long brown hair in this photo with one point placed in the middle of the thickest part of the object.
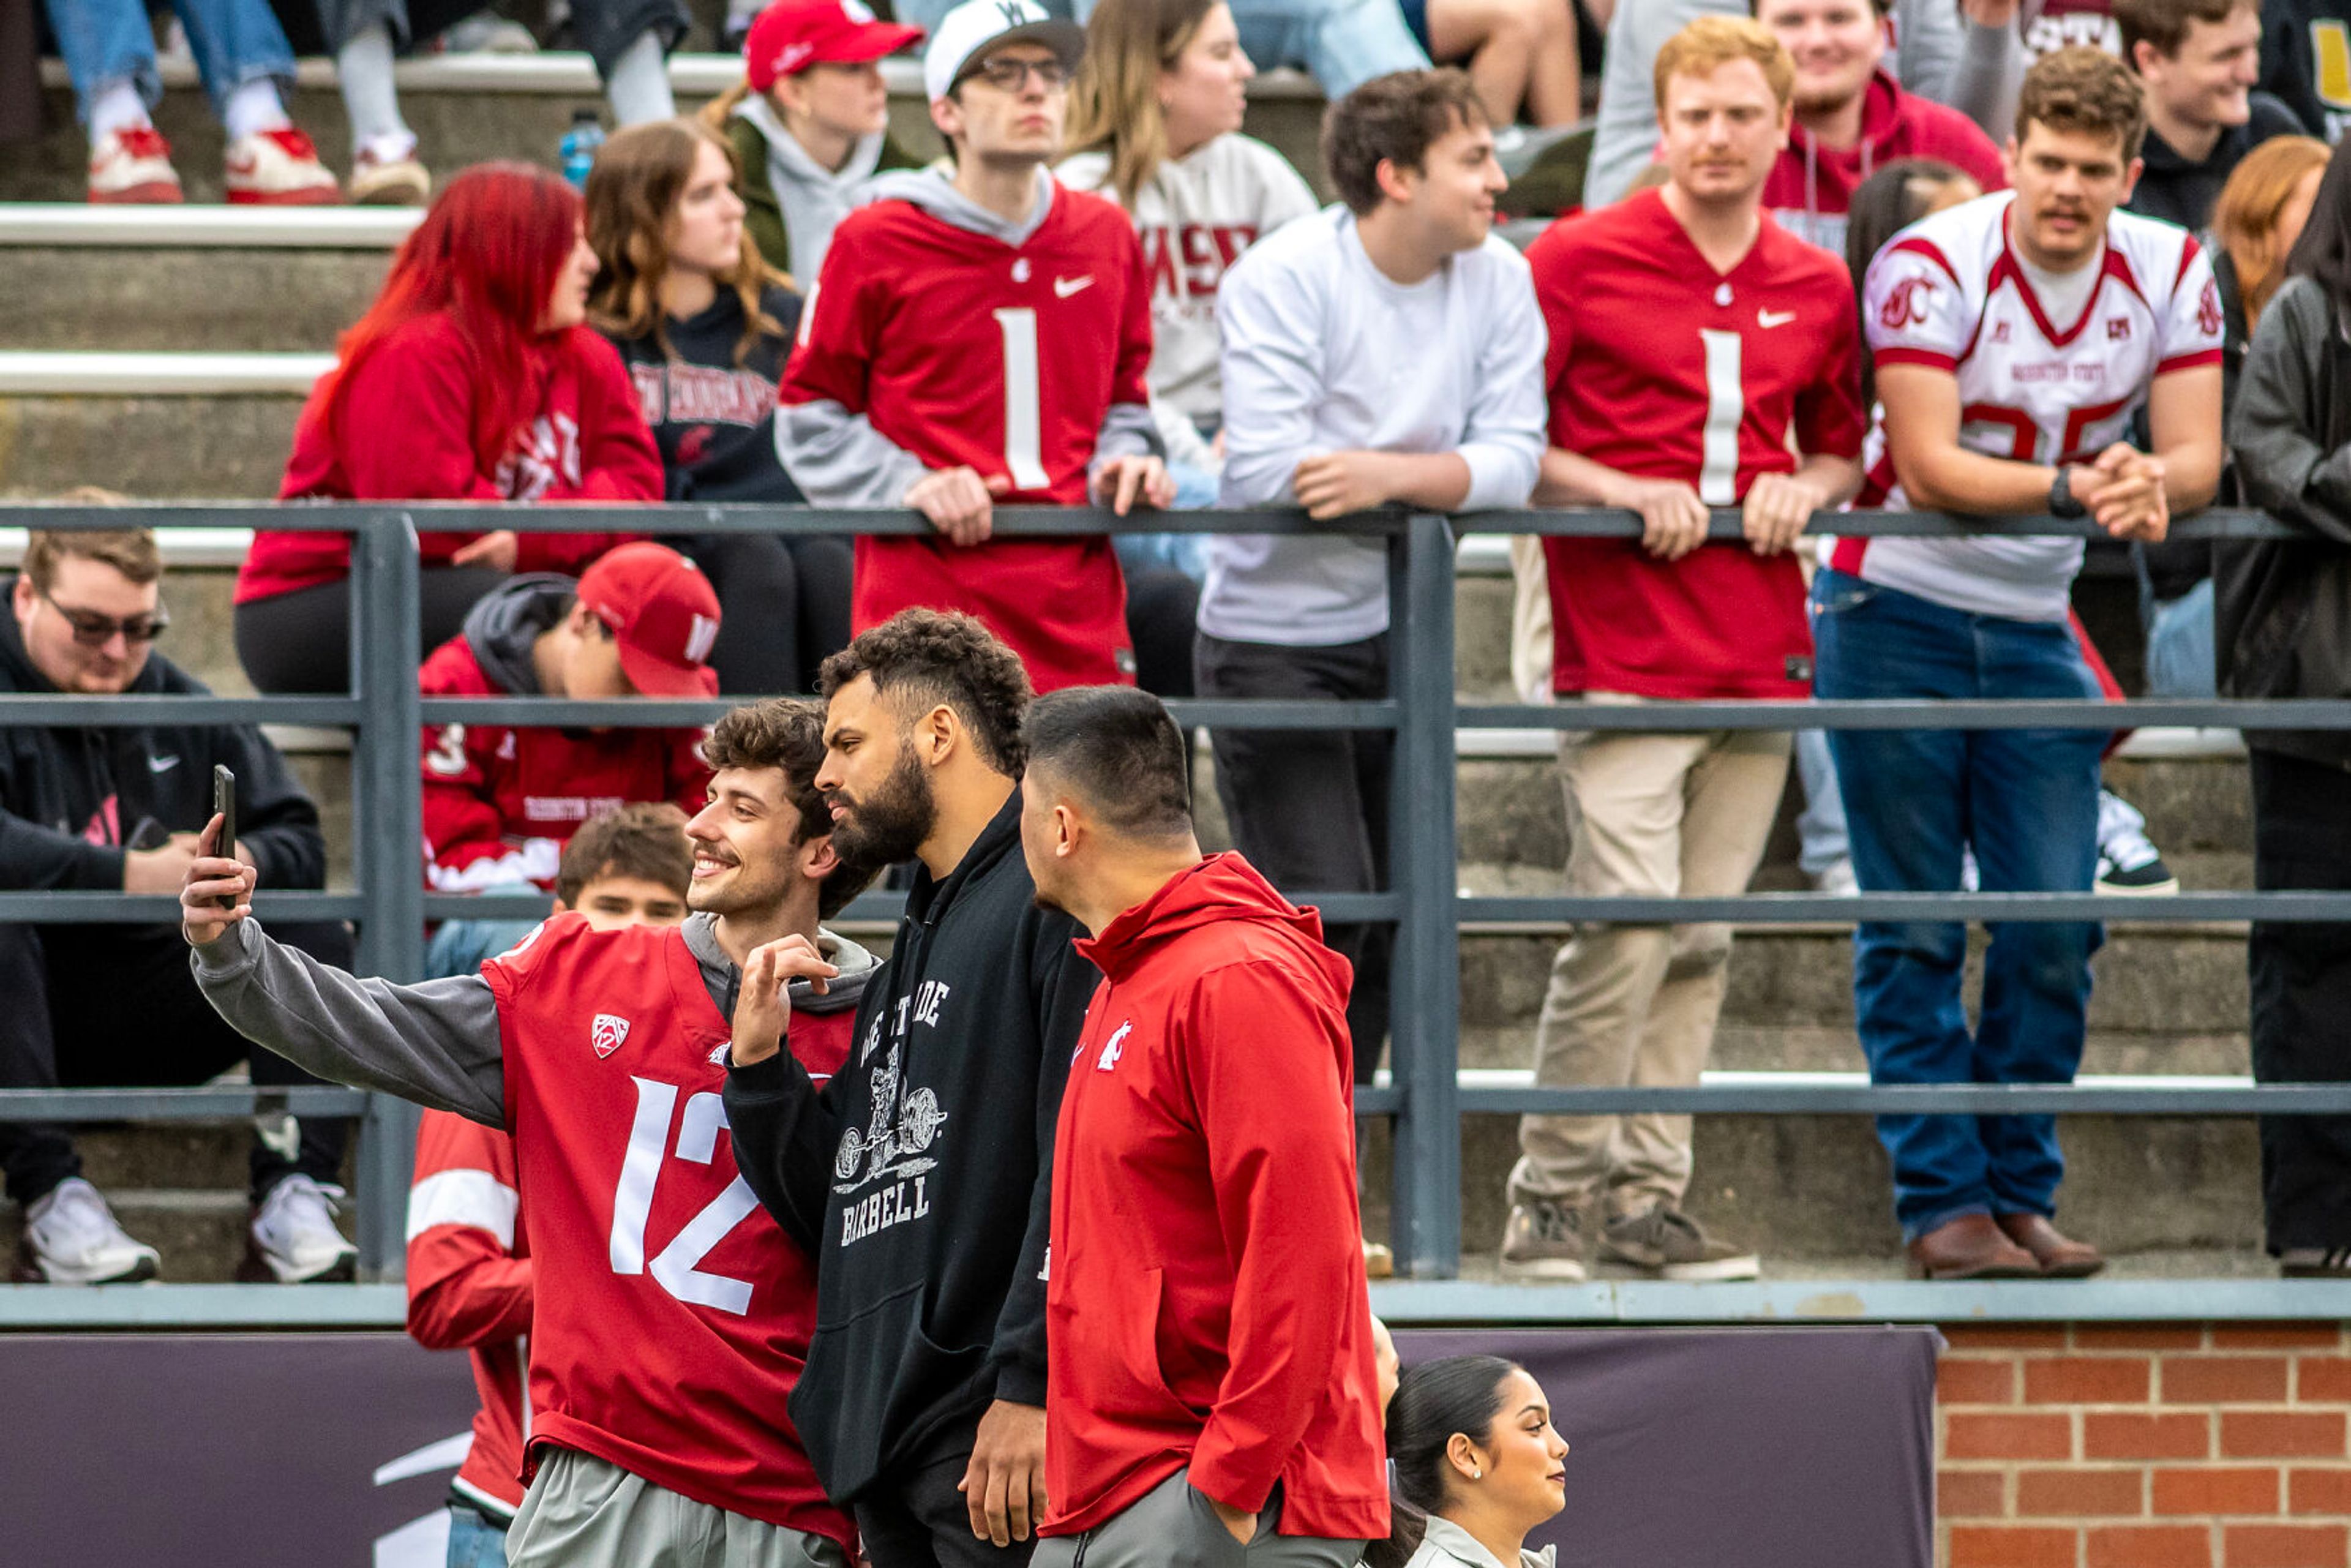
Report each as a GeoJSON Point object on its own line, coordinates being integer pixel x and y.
{"type": "Point", "coordinates": [472, 376]}
{"type": "Point", "coordinates": [704, 325]}
{"type": "Point", "coordinates": [2259, 214]}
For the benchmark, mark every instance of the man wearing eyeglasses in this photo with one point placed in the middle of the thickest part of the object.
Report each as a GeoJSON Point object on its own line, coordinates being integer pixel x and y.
{"type": "Point", "coordinates": [118, 810]}
{"type": "Point", "coordinates": [981, 337]}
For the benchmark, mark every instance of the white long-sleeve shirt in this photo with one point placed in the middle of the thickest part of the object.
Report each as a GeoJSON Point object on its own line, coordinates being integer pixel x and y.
{"type": "Point", "coordinates": [1323, 352]}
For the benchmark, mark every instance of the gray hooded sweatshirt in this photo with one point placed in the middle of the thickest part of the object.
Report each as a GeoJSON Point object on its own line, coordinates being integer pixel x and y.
{"type": "Point", "coordinates": [837, 458]}
{"type": "Point", "coordinates": [436, 1043]}
{"type": "Point", "coordinates": [814, 198]}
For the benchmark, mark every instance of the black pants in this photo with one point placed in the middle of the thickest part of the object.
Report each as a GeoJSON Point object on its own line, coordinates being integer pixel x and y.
{"type": "Point", "coordinates": [783, 603]}
{"type": "Point", "coordinates": [1310, 808]}
{"type": "Point", "coordinates": [914, 1518]}
{"type": "Point", "coordinates": [2301, 980]}
{"type": "Point", "coordinates": [301, 642]}
{"type": "Point", "coordinates": [1162, 606]}
{"type": "Point", "coordinates": [115, 1007]}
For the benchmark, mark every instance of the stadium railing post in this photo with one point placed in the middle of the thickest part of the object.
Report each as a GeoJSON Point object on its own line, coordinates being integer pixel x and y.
{"type": "Point", "coordinates": [1426, 998]}
{"type": "Point", "coordinates": [389, 825]}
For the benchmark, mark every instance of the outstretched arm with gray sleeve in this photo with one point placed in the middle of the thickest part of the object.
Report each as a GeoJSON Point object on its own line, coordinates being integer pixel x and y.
{"type": "Point", "coordinates": [436, 1043]}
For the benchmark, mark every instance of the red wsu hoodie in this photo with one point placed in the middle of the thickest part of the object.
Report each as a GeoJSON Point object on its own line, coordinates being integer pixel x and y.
{"type": "Point", "coordinates": [1811, 187]}
{"type": "Point", "coordinates": [1205, 1302]}
{"type": "Point", "coordinates": [406, 434]}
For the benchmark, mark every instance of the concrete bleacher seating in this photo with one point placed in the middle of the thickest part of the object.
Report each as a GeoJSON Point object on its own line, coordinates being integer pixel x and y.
{"type": "Point", "coordinates": [214, 322]}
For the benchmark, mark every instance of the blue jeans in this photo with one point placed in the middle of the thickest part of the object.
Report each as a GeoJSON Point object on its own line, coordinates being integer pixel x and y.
{"type": "Point", "coordinates": [475, 1541]}
{"type": "Point", "coordinates": [2027, 801]}
{"type": "Point", "coordinates": [2180, 645]}
{"type": "Point", "coordinates": [462, 947]}
{"type": "Point", "coordinates": [1196, 489]}
{"type": "Point", "coordinates": [1343, 43]}
{"type": "Point", "coordinates": [107, 42]}
{"type": "Point", "coordinates": [1820, 828]}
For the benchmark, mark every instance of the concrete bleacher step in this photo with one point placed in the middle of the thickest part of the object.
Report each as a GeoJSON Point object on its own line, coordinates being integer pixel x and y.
{"type": "Point", "coordinates": [465, 108]}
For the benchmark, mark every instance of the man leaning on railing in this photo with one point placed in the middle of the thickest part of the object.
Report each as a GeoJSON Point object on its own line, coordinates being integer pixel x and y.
{"type": "Point", "coordinates": [2015, 337]}
{"type": "Point", "coordinates": [118, 810]}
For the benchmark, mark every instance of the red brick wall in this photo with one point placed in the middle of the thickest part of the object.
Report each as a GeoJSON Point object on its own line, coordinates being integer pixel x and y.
{"type": "Point", "coordinates": [2155, 1446]}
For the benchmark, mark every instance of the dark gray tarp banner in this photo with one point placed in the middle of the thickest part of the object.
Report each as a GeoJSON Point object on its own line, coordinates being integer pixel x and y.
{"type": "Point", "coordinates": [1732, 1447]}
{"type": "Point", "coordinates": [1692, 1448]}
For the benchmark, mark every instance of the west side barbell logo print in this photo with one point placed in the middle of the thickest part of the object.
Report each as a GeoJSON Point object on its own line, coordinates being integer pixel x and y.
{"type": "Point", "coordinates": [607, 1033]}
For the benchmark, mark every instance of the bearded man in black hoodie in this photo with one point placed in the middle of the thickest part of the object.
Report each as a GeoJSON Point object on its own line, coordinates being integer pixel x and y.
{"type": "Point", "coordinates": [921, 1177]}
{"type": "Point", "coordinates": [117, 810]}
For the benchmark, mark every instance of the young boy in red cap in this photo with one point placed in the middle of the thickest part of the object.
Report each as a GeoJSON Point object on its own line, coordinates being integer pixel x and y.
{"type": "Point", "coordinates": [500, 802]}
{"type": "Point", "coordinates": [809, 123]}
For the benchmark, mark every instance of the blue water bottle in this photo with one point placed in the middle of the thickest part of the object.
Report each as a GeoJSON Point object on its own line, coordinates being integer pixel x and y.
{"type": "Point", "coordinates": [580, 144]}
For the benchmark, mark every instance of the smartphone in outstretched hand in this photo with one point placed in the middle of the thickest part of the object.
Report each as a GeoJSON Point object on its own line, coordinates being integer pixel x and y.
{"type": "Point", "coordinates": [224, 808]}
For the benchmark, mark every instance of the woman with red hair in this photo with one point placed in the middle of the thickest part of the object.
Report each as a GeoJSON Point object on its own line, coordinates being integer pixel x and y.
{"type": "Point", "coordinates": [472, 376]}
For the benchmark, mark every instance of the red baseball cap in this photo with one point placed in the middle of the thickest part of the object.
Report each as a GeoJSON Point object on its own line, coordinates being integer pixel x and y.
{"type": "Point", "coordinates": [793, 34]}
{"type": "Point", "coordinates": [662, 612]}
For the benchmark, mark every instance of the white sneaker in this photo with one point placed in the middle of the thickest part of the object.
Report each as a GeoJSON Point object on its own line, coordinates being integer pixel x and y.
{"type": "Point", "coordinates": [294, 1240]}
{"type": "Point", "coordinates": [2128, 862]}
{"type": "Point", "coordinates": [387, 173]}
{"type": "Point", "coordinates": [278, 168]}
{"type": "Point", "coordinates": [132, 164]}
{"type": "Point", "coordinates": [1837, 878]}
{"type": "Point", "coordinates": [71, 1238]}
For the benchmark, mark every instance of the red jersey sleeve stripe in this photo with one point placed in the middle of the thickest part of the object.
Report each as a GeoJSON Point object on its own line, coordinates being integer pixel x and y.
{"type": "Point", "coordinates": [2188, 254]}
{"type": "Point", "coordinates": [1908, 356]}
{"type": "Point", "coordinates": [2188, 362]}
{"type": "Point", "coordinates": [1932, 252]}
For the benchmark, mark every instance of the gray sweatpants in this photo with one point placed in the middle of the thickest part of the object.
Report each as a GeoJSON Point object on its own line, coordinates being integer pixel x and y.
{"type": "Point", "coordinates": [1173, 1526]}
{"type": "Point", "coordinates": [586, 1513]}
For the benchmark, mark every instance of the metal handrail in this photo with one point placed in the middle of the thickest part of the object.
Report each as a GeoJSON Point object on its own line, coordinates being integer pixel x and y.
{"type": "Point", "coordinates": [1428, 1096]}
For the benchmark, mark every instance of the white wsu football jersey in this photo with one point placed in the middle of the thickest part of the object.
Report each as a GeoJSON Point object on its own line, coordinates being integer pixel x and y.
{"type": "Point", "coordinates": [1952, 292]}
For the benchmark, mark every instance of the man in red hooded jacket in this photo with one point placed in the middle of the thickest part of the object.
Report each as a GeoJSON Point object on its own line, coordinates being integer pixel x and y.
{"type": "Point", "coordinates": [1205, 1250]}
{"type": "Point", "coordinates": [1853, 119]}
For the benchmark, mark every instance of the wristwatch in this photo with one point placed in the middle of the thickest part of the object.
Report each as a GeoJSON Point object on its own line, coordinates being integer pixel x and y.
{"type": "Point", "coordinates": [2062, 502]}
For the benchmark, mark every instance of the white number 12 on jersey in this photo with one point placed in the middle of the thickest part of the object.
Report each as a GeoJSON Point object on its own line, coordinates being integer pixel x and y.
{"type": "Point", "coordinates": [676, 1267]}
{"type": "Point", "coordinates": [1024, 423]}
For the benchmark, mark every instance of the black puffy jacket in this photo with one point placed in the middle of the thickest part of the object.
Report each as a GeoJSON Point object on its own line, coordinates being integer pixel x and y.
{"type": "Point", "coordinates": [2282, 608]}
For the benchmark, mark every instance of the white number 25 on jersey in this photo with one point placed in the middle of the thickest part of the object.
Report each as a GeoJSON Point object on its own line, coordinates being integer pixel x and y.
{"type": "Point", "coordinates": [677, 1266]}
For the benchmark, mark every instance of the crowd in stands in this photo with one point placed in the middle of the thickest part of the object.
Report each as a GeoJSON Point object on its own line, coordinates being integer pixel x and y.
{"type": "Point", "coordinates": [1982, 256]}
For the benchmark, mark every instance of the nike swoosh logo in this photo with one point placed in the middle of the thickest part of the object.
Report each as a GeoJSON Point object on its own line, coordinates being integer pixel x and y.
{"type": "Point", "coordinates": [162, 764]}
{"type": "Point", "coordinates": [1065, 287]}
{"type": "Point", "coordinates": [1770, 318]}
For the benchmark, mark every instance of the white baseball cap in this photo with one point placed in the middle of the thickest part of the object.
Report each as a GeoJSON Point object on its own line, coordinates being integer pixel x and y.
{"type": "Point", "coordinates": [975, 26]}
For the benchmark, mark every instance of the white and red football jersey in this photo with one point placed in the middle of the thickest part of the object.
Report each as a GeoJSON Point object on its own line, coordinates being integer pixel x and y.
{"type": "Point", "coordinates": [1663, 367]}
{"type": "Point", "coordinates": [671, 1315]}
{"type": "Point", "coordinates": [2048, 25]}
{"type": "Point", "coordinates": [2042, 379]}
{"type": "Point", "coordinates": [965, 351]}
{"type": "Point", "coordinates": [469, 1288]}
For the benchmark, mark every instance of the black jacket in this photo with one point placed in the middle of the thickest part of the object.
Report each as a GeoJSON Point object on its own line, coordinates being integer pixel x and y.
{"type": "Point", "coordinates": [2282, 608]}
{"type": "Point", "coordinates": [2180, 191]}
{"type": "Point", "coordinates": [714, 420]}
{"type": "Point", "coordinates": [2290, 31]}
{"type": "Point", "coordinates": [72, 800]}
{"type": "Point", "coordinates": [921, 1180]}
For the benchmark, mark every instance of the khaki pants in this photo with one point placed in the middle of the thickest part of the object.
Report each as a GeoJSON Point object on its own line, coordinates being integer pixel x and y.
{"type": "Point", "coordinates": [1662, 816]}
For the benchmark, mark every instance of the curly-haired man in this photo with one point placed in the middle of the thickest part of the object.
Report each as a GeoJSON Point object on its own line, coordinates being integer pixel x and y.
{"type": "Point", "coordinates": [920, 1177]}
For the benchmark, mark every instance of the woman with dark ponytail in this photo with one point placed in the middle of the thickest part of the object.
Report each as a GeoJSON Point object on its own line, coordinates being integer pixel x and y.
{"type": "Point", "coordinates": [1478, 1464]}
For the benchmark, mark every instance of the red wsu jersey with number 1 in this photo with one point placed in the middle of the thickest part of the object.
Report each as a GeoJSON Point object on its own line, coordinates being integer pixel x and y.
{"type": "Point", "coordinates": [671, 1315]}
{"type": "Point", "coordinates": [1663, 367]}
{"type": "Point", "coordinates": [968, 352]}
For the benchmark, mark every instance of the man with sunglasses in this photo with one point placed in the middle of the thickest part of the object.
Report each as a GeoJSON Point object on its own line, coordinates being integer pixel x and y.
{"type": "Point", "coordinates": [980, 336]}
{"type": "Point", "coordinates": [118, 810]}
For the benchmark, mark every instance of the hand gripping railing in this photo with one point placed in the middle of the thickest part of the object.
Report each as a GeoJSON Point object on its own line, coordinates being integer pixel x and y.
{"type": "Point", "coordinates": [1426, 1099]}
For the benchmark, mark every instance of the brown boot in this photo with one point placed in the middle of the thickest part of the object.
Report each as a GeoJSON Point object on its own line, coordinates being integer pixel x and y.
{"type": "Point", "coordinates": [2060, 1256]}
{"type": "Point", "coordinates": [1969, 1248]}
